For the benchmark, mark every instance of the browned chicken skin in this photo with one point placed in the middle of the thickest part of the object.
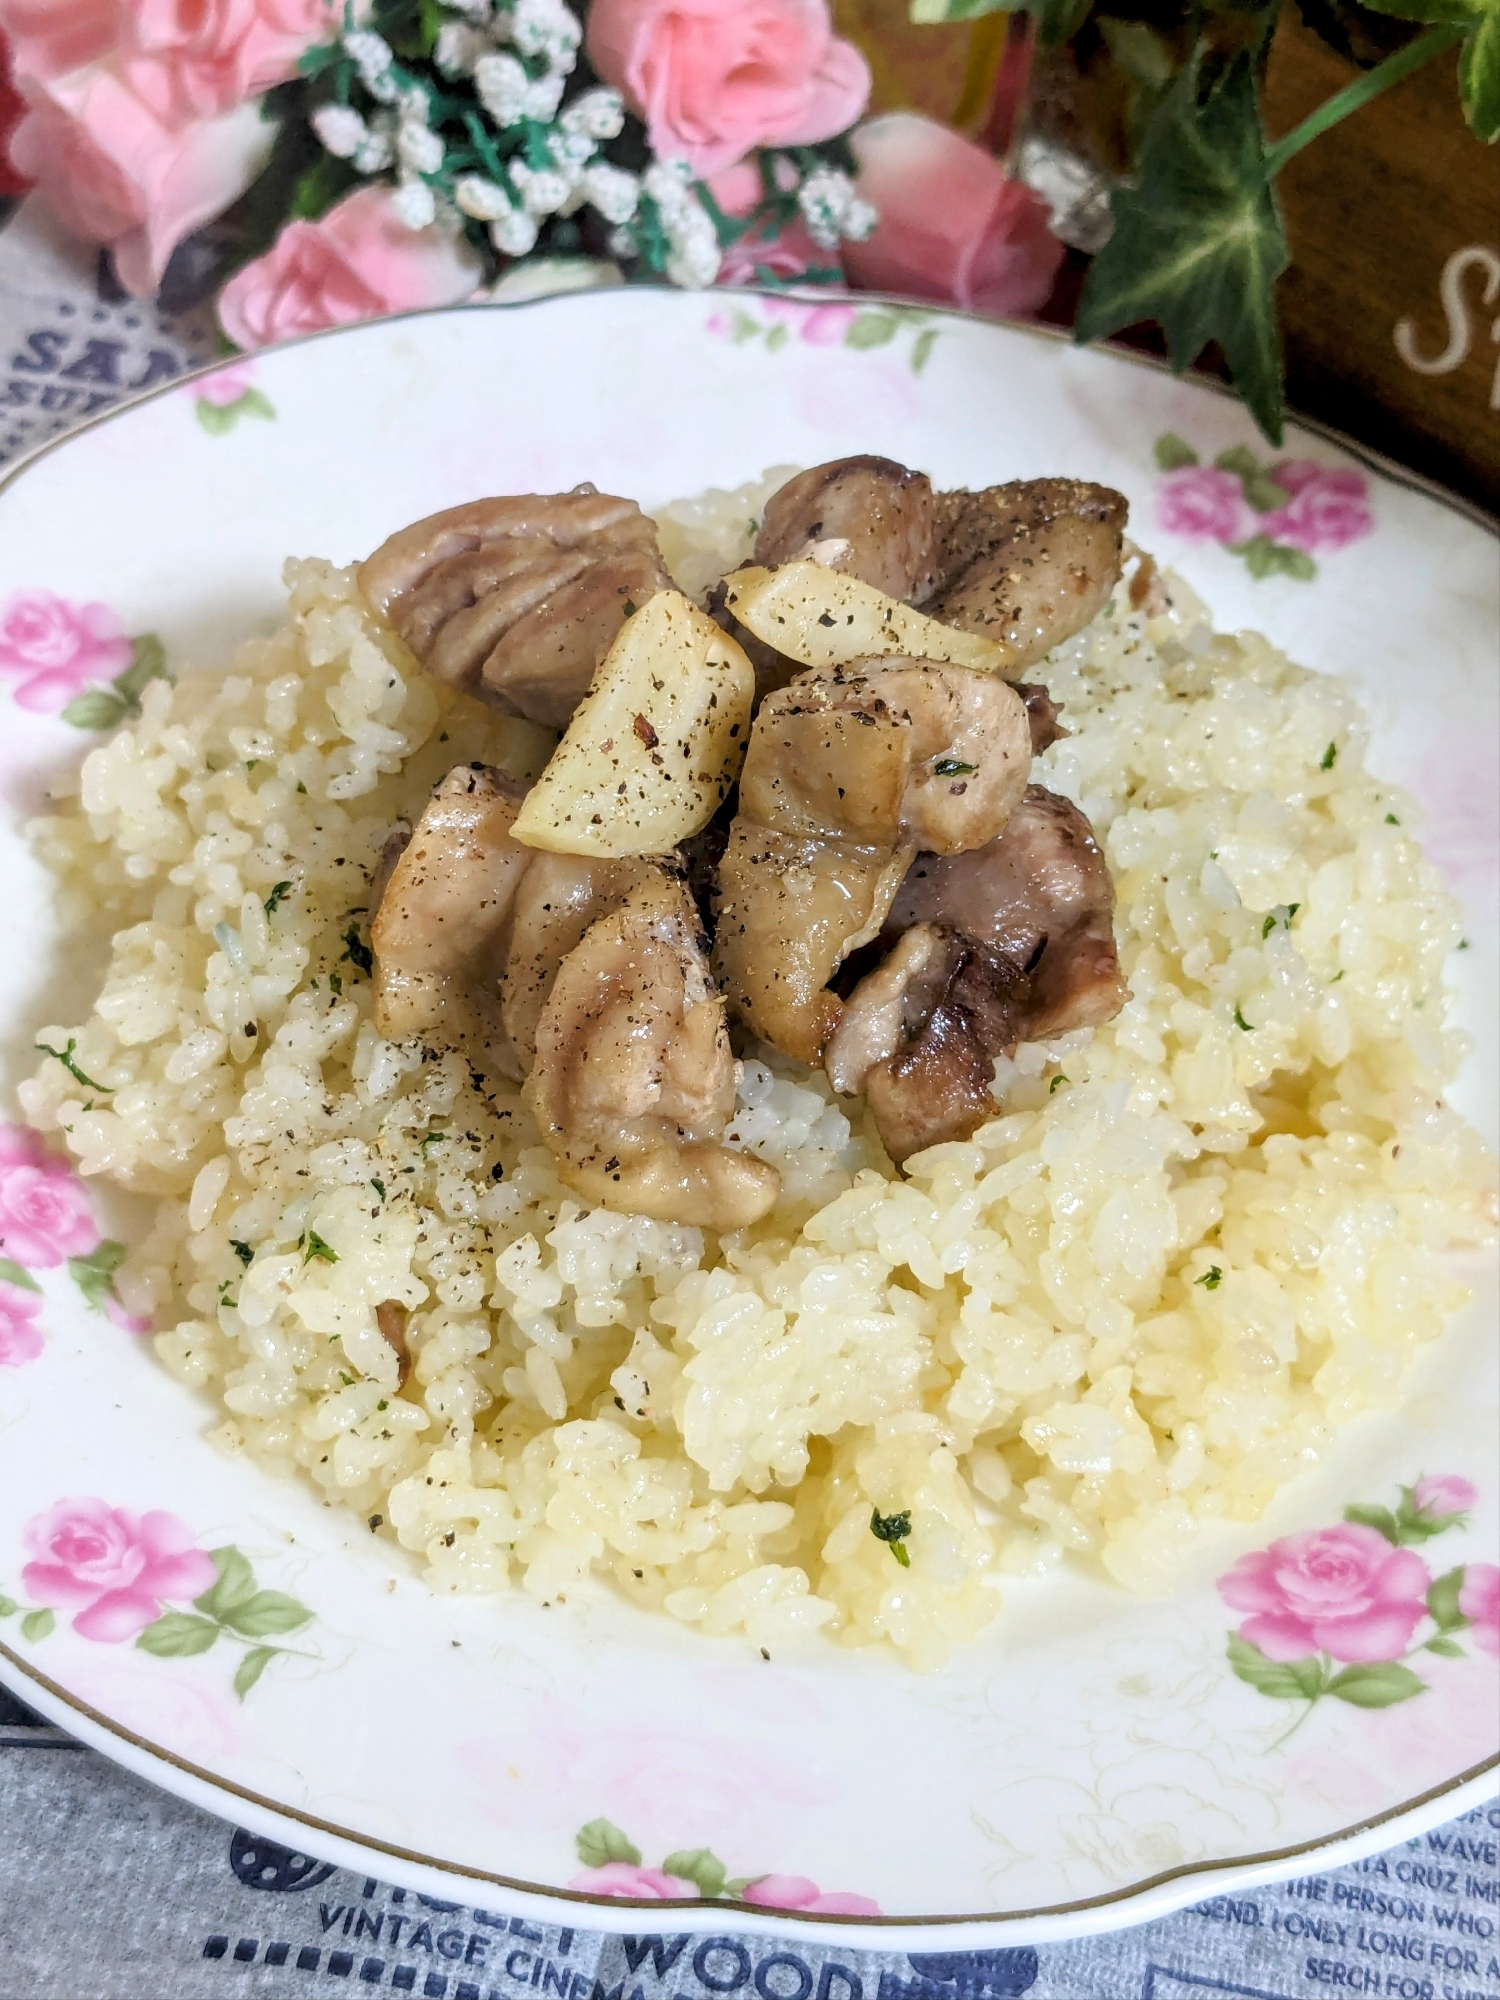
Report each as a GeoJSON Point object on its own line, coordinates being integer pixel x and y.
{"type": "Point", "coordinates": [633, 1083]}
{"type": "Point", "coordinates": [518, 599]}
{"type": "Point", "coordinates": [868, 517]}
{"type": "Point", "coordinates": [441, 929]}
{"type": "Point", "coordinates": [872, 518]}
{"type": "Point", "coordinates": [846, 777]}
{"type": "Point", "coordinates": [1008, 943]}
{"type": "Point", "coordinates": [1030, 563]}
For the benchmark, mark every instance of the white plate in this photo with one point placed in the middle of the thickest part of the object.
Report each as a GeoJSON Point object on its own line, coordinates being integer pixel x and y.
{"type": "Point", "coordinates": [1092, 1759]}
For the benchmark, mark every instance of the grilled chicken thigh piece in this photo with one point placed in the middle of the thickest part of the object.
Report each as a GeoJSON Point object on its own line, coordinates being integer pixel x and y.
{"type": "Point", "coordinates": [1030, 562]}
{"type": "Point", "coordinates": [1012, 942]}
{"type": "Point", "coordinates": [517, 599]}
{"type": "Point", "coordinates": [847, 775]}
{"type": "Point", "coordinates": [441, 930]}
{"type": "Point", "coordinates": [869, 517]}
{"type": "Point", "coordinates": [633, 1083]}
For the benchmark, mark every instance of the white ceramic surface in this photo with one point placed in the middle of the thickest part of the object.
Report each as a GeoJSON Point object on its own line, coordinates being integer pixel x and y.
{"type": "Point", "coordinates": [1091, 1760]}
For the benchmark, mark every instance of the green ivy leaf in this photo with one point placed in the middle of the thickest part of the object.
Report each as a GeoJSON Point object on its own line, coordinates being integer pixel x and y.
{"type": "Point", "coordinates": [11, 1273]}
{"type": "Point", "coordinates": [871, 329]}
{"type": "Point", "coordinates": [96, 708]}
{"type": "Point", "coordinates": [250, 1669]}
{"type": "Point", "coordinates": [1172, 452]}
{"type": "Point", "coordinates": [1381, 1519]}
{"type": "Point", "coordinates": [1449, 1648]}
{"type": "Point", "coordinates": [1377, 1686]}
{"type": "Point", "coordinates": [235, 1584]}
{"type": "Point", "coordinates": [37, 1624]}
{"type": "Point", "coordinates": [700, 1866]}
{"type": "Point", "coordinates": [94, 1275]}
{"type": "Point", "coordinates": [1198, 243]}
{"type": "Point", "coordinates": [1442, 1601]}
{"type": "Point", "coordinates": [177, 1635]}
{"type": "Point", "coordinates": [267, 1612]}
{"type": "Point", "coordinates": [602, 1841]}
{"type": "Point", "coordinates": [1478, 58]}
{"type": "Point", "coordinates": [1283, 1680]}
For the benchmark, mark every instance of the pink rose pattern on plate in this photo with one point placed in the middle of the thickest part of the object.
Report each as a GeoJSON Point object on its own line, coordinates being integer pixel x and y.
{"type": "Point", "coordinates": [221, 399]}
{"type": "Point", "coordinates": [45, 1222]}
{"type": "Point", "coordinates": [1335, 1611]}
{"type": "Point", "coordinates": [837, 322]}
{"type": "Point", "coordinates": [74, 660]}
{"type": "Point", "coordinates": [1275, 518]}
{"type": "Point", "coordinates": [613, 1867]}
{"type": "Point", "coordinates": [117, 1576]}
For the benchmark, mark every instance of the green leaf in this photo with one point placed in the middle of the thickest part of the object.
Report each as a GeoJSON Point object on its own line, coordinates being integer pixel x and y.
{"type": "Point", "coordinates": [148, 663]}
{"type": "Point", "coordinates": [1172, 452]}
{"type": "Point", "coordinates": [602, 1841]}
{"type": "Point", "coordinates": [177, 1636]}
{"type": "Point", "coordinates": [1283, 1680]}
{"type": "Point", "coordinates": [1263, 557]}
{"type": "Point", "coordinates": [234, 1585]}
{"type": "Point", "coordinates": [255, 403]}
{"type": "Point", "coordinates": [216, 418]}
{"type": "Point", "coordinates": [312, 1246]}
{"type": "Point", "coordinates": [94, 1275]}
{"type": "Point", "coordinates": [1198, 243]}
{"type": "Point", "coordinates": [65, 1056]}
{"type": "Point", "coordinates": [700, 1866]}
{"type": "Point", "coordinates": [11, 1273]}
{"type": "Point", "coordinates": [250, 1669]}
{"type": "Point", "coordinates": [1479, 77]}
{"type": "Point", "coordinates": [1377, 1686]}
{"type": "Point", "coordinates": [37, 1624]}
{"type": "Point", "coordinates": [96, 708]}
{"type": "Point", "coordinates": [1381, 1519]}
{"type": "Point", "coordinates": [931, 13]}
{"type": "Point", "coordinates": [324, 183]}
{"type": "Point", "coordinates": [1442, 1601]}
{"type": "Point", "coordinates": [871, 329]}
{"type": "Point", "coordinates": [1449, 1648]}
{"type": "Point", "coordinates": [267, 1612]}
{"type": "Point", "coordinates": [8, 1607]}
{"type": "Point", "coordinates": [1478, 58]}
{"type": "Point", "coordinates": [921, 349]}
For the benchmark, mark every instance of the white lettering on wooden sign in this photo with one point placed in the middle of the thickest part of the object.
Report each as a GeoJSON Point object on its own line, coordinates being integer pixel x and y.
{"type": "Point", "coordinates": [1459, 315]}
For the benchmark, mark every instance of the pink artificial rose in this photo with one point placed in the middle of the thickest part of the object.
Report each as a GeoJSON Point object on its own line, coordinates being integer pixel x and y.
{"type": "Point", "coordinates": [194, 58]}
{"type": "Point", "coordinates": [20, 1336]}
{"type": "Point", "coordinates": [786, 256]}
{"type": "Point", "coordinates": [57, 647]}
{"type": "Point", "coordinates": [1443, 1495]}
{"type": "Point", "coordinates": [1479, 1601]}
{"type": "Point", "coordinates": [44, 1212]}
{"type": "Point", "coordinates": [1329, 507]}
{"type": "Point", "coordinates": [358, 262]}
{"type": "Point", "coordinates": [1205, 503]}
{"type": "Point", "coordinates": [628, 1878]}
{"type": "Point", "coordinates": [50, 37]}
{"type": "Point", "coordinates": [796, 1892]}
{"type": "Point", "coordinates": [715, 79]}
{"type": "Point", "coordinates": [953, 227]}
{"type": "Point", "coordinates": [1343, 1591]}
{"type": "Point", "coordinates": [116, 171]}
{"type": "Point", "coordinates": [114, 1566]}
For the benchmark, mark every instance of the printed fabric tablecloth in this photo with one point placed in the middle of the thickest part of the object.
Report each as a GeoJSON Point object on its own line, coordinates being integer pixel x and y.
{"type": "Point", "coordinates": [110, 1888]}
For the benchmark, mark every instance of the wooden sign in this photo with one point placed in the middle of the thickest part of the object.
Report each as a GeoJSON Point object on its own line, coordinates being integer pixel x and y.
{"type": "Point", "coordinates": [1391, 310]}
